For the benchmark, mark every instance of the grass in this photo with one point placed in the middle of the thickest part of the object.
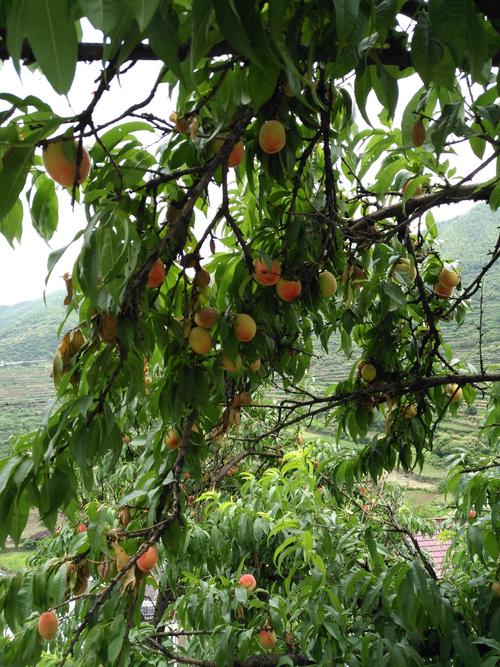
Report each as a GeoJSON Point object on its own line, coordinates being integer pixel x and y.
{"type": "Point", "coordinates": [13, 561]}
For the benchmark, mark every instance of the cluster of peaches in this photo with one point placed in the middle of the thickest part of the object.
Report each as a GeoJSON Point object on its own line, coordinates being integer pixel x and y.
{"type": "Point", "coordinates": [267, 636]}
{"type": "Point", "coordinates": [48, 623]}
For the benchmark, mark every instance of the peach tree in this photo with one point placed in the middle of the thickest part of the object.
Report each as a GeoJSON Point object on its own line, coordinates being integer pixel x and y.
{"type": "Point", "coordinates": [284, 202]}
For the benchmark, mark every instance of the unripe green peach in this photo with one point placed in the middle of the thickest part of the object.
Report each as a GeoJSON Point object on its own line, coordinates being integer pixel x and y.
{"type": "Point", "coordinates": [327, 283]}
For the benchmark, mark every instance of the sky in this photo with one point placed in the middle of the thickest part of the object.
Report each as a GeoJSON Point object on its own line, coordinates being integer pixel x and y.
{"type": "Point", "coordinates": [23, 269]}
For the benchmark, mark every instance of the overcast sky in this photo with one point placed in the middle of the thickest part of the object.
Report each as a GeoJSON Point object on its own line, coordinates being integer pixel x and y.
{"type": "Point", "coordinates": [23, 269]}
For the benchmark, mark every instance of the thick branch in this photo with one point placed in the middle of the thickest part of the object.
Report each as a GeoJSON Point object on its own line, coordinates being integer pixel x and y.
{"type": "Point", "coordinates": [450, 195]}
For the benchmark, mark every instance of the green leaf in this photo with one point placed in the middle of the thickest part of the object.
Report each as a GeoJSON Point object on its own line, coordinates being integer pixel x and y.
{"type": "Point", "coordinates": [162, 34]}
{"type": "Point", "coordinates": [346, 14]}
{"type": "Point", "coordinates": [261, 84]}
{"type": "Point", "coordinates": [45, 208]}
{"type": "Point", "coordinates": [103, 14]}
{"type": "Point", "coordinates": [52, 36]}
{"type": "Point", "coordinates": [16, 31]}
{"type": "Point", "coordinates": [143, 11]}
{"type": "Point", "coordinates": [233, 29]}
{"type": "Point", "coordinates": [362, 87]}
{"type": "Point", "coordinates": [494, 200]}
{"type": "Point", "coordinates": [16, 164]}
{"type": "Point", "coordinates": [426, 49]}
{"type": "Point", "coordinates": [451, 117]}
{"type": "Point", "coordinates": [448, 19]}
{"type": "Point", "coordinates": [11, 226]}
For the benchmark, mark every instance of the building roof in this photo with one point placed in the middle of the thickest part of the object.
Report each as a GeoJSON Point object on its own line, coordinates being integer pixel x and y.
{"type": "Point", "coordinates": [435, 548]}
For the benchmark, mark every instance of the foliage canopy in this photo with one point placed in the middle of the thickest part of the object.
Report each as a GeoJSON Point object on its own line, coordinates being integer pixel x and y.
{"type": "Point", "coordinates": [340, 577]}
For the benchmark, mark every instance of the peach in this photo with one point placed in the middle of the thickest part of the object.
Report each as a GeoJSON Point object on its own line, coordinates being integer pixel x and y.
{"type": "Point", "coordinates": [82, 528]}
{"type": "Point", "coordinates": [47, 625]}
{"type": "Point", "coordinates": [448, 277]}
{"type": "Point", "coordinates": [454, 392]}
{"type": "Point", "coordinates": [327, 283]}
{"type": "Point", "coordinates": [472, 514]}
{"type": "Point", "coordinates": [244, 327]}
{"type": "Point", "coordinates": [272, 137]}
{"type": "Point", "coordinates": [181, 123]}
{"type": "Point", "coordinates": [410, 411]}
{"type": "Point", "coordinates": [148, 560]}
{"type": "Point", "coordinates": [368, 372]}
{"type": "Point", "coordinates": [267, 275]}
{"type": "Point", "coordinates": [173, 439]}
{"type": "Point", "coordinates": [236, 154]}
{"type": "Point", "coordinates": [248, 582]}
{"type": "Point", "coordinates": [404, 271]}
{"type": "Point", "coordinates": [442, 290]}
{"type": "Point", "coordinates": [206, 317]}
{"type": "Point", "coordinates": [355, 274]}
{"type": "Point", "coordinates": [267, 637]}
{"type": "Point", "coordinates": [200, 340]}
{"type": "Point", "coordinates": [156, 274]}
{"type": "Point", "coordinates": [495, 587]}
{"type": "Point", "coordinates": [60, 160]}
{"type": "Point", "coordinates": [202, 278]}
{"type": "Point", "coordinates": [255, 365]}
{"type": "Point", "coordinates": [229, 365]}
{"type": "Point", "coordinates": [288, 290]}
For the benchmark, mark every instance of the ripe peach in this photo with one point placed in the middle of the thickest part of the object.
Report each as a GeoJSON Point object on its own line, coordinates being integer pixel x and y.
{"type": "Point", "coordinates": [148, 560]}
{"type": "Point", "coordinates": [288, 290]}
{"type": "Point", "coordinates": [454, 392]}
{"type": "Point", "coordinates": [267, 637]}
{"type": "Point", "coordinates": [327, 283]}
{"type": "Point", "coordinates": [244, 327]}
{"type": "Point", "coordinates": [448, 277]}
{"type": "Point", "coordinates": [442, 290]}
{"type": "Point", "coordinates": [60, 160]}
{"type": "Point", "coordinates": [236, 154]}
{"type": "Point", "coordinates": [156, 274]}
{"type": "Point", "coordinates": [47, 625]}
{"type": "Point", "coordinates": [472, 514]}
{"type": "Point", "coordinates": [173, 439]}
{"type": "Point", "coordinates": [272, 137]}
{"type": "Point", "coordinates": [267, 275]}
{"type": "Point", "coordinates": [82, 528]}
{"type": "Point", "coordinates": [108, 331]}
{"type": "Point", "coordinates": [206, 317]}
{"type": "Point", "coordinates": [248, 581]}
{"type": "Point", "coordinates": [229, 365]}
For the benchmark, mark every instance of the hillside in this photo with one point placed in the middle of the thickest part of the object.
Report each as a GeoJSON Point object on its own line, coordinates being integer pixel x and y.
{"type": "Point", "coordinates": [28, 333]}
